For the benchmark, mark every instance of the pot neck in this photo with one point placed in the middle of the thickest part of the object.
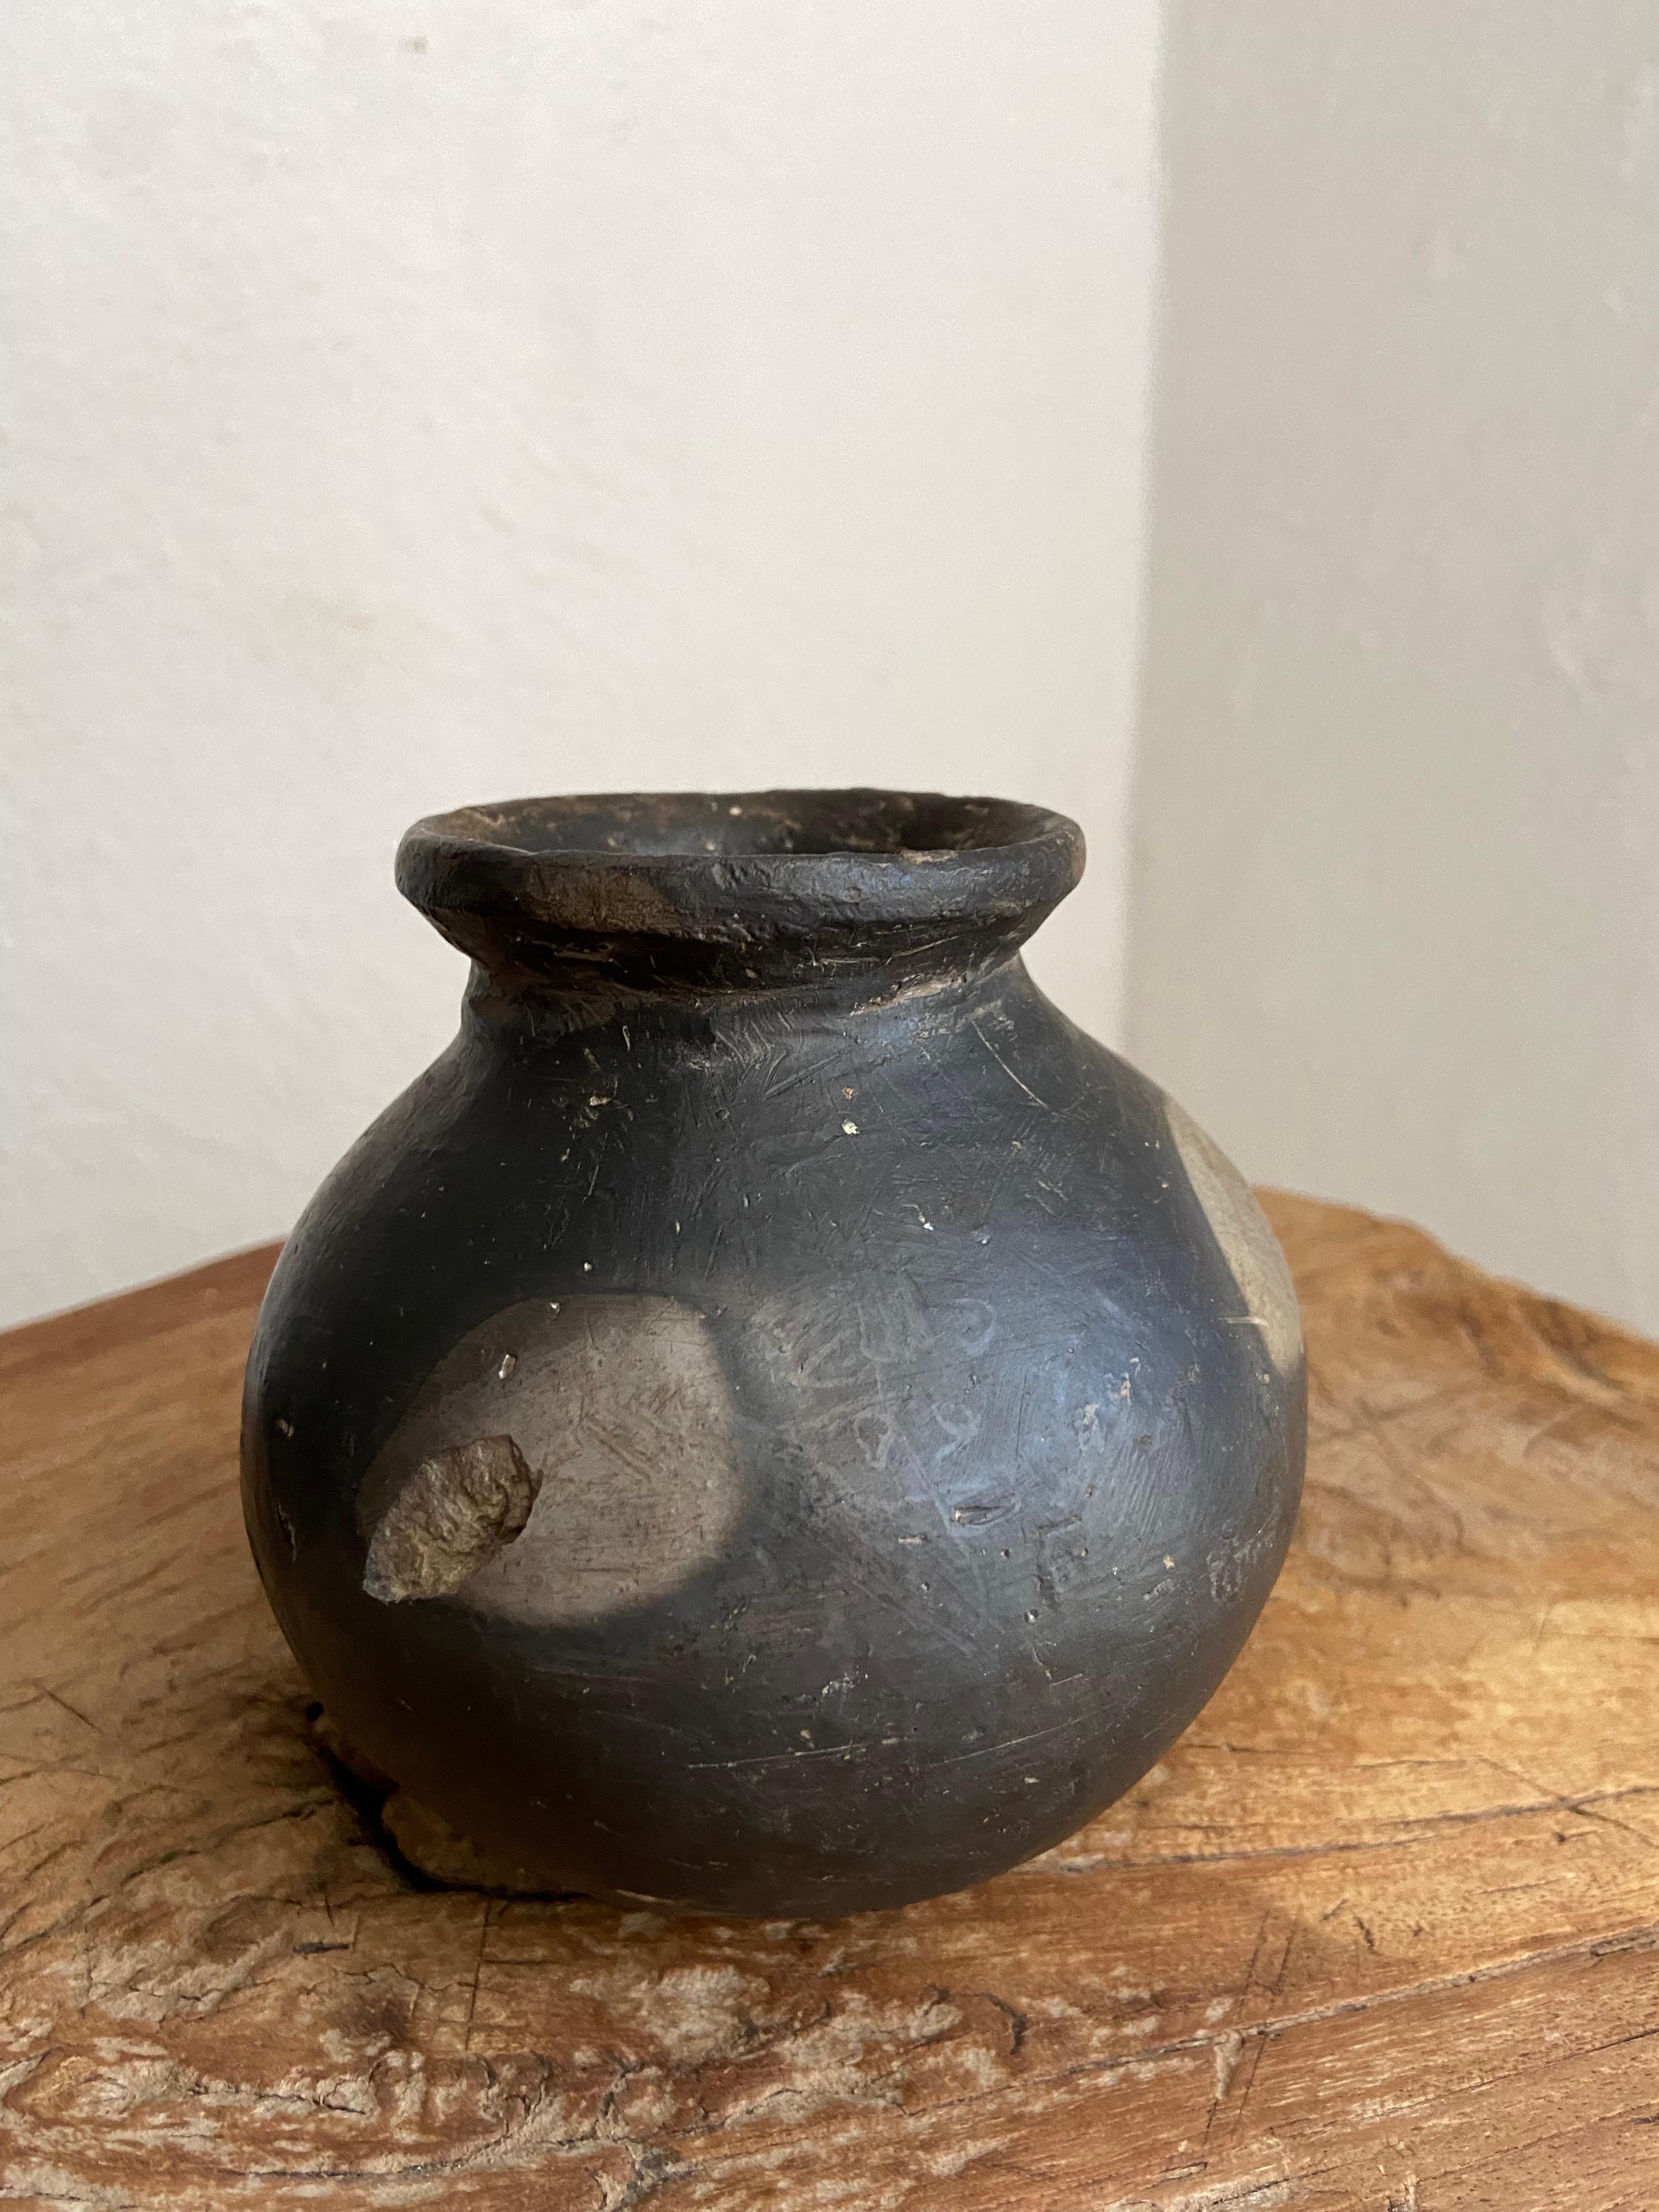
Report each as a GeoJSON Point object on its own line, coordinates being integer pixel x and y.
{"type": "Point", "coordinates": [846, 897]}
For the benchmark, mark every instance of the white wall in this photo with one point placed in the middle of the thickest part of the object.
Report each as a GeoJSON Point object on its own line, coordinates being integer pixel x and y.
{"type": "Point", "coordinates": [406, 405]}
{"type": "Point", "coordinates": [1395, 933]}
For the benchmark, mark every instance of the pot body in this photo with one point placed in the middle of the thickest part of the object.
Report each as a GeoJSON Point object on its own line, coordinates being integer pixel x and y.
{"type": "Point", "coordinates": [782, 1450]}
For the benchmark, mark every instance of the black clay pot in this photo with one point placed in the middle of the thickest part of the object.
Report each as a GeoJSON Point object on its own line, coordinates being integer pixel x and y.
{"type": "Point", "coordinates": [775, 1420]}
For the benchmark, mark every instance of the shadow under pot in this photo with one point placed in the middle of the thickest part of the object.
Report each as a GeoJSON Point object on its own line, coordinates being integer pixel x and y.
{"type": "Point", "coordinates": [775, 1420]}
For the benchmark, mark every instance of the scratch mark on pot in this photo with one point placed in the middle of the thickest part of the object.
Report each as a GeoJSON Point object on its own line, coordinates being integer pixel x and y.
{"type": "Point", "coordinates": [1007, 1071]}
{"type": "Point", "coordinates": [284, 1522]}
{"type": "Point", "coordinates": [1012, 1742]}
{"type": "Point", "coordinates": [779, 1758]}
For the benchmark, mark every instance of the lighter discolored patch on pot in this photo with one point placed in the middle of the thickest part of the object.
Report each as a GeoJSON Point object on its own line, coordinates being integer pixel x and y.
{"type": "Point", "coordinates": [619, 1409]}
{"type": "Point", "coordinates": [1245, 1236]}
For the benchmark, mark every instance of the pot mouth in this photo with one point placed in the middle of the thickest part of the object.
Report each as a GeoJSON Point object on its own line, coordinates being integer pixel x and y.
{"type": "Point", "coordinates": [835, 876]}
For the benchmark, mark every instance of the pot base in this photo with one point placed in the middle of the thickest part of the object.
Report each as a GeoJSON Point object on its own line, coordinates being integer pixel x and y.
{"type": "Point", "coordinates": [422, 1837]}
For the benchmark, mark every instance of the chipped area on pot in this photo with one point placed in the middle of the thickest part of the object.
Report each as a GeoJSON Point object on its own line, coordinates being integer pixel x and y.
{"type": "Point", "coordinates": [618, 1408]}
{"type": "Point", "coordinates": [456, 1512]}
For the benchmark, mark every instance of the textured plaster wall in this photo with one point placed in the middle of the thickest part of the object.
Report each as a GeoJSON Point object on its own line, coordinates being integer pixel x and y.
{"type": "Point", "coordinates": [409, 404]}
{"type": "Point", "coordinates": [1395, 928]}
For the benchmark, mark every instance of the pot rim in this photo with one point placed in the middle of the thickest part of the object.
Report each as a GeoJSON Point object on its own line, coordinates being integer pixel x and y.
{"type": "Point", "coordinates": [728, 867]}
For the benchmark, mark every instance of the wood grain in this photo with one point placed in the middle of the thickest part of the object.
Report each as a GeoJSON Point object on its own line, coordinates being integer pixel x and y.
{"type": "Point", "coordinates": [1380, 1931]}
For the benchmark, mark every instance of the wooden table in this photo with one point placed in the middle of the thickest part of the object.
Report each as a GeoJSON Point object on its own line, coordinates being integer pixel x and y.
{"type": "Point", "coordinates": [1380, 1931]}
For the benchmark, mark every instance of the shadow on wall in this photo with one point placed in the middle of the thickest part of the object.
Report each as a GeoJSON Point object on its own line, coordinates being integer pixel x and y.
{"type": "Point", "coordinates": [1395, 931]}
